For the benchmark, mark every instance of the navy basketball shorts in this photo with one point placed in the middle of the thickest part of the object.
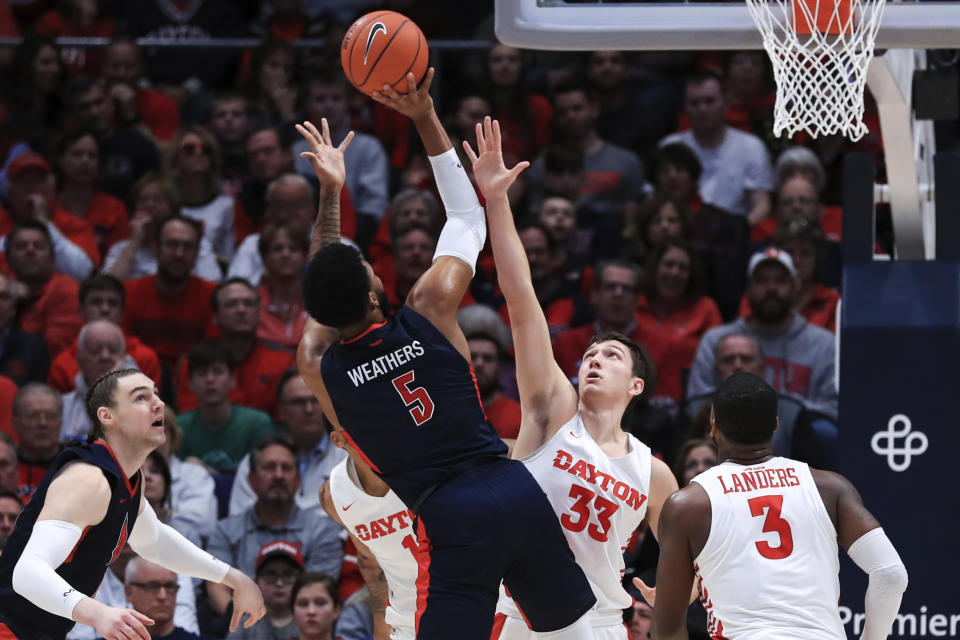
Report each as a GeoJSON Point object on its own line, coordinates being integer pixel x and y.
{"type": "Point", "coordinates": [491, 523]}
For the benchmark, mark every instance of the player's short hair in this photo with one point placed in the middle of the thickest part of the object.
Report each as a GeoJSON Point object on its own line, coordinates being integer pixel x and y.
{"type": "Point", "coordinates": [642, 362]}
{"type": "Point", "coordinates": [745, 409]}
{"type": "Point", "coordinates": [223, 284]}
{"type": "Point", "coordinates": [102, 394]}
{"type": "Point", "coordinates": [315, 577]}
{"type": "Point", "coordinates": [207, 353]}
{"type": "Point", "coordinates": [336, 286]}
{"type": "Point", "coordinates": [102, 282]}
{"type": "Point", "coordinates": [274, 440]}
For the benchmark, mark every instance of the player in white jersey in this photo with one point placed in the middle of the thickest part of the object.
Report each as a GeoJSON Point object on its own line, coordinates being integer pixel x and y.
{"type": "Point", "coordinates": [381, 528]}
{"type": "Point", "coordinates": [600, 480]}
{"type": "Point", "coordinates": [759, 534]}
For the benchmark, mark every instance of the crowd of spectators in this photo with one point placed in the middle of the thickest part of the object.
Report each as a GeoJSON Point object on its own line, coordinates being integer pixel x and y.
{"type": "Point", "coordinates": [155, 212]}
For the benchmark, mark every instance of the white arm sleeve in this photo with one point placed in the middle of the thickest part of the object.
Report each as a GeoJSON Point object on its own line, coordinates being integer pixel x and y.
{"type": "Point", "coordinates": [874, 553]}
{"type": "Point", "coordinates": [465, 231]}
{"type": "Point", "coordinates": [165, 546]}
{"type": "Point", "coordinates": [35, 577]}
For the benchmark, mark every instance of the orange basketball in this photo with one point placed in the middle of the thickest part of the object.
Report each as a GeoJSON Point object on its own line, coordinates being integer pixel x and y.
{"type": "Point", "coordinates": [380, 48]}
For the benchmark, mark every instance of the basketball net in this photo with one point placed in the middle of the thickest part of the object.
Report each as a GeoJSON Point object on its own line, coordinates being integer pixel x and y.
{"type": "Point", "coordinates": [820, 50]}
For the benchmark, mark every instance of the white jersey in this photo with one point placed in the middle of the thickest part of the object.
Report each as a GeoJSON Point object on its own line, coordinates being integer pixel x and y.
{"type": "Point", "coordinates": [769, 568]}
{"type": "Point", "coordinates": [600, 502]}
{"type": "Point", "coordinates": [385, 526]}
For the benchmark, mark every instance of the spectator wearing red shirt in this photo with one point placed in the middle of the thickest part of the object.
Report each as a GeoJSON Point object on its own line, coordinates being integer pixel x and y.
{"type": "Point", "coordinates": [77, 168]}
{"type": "Point", "coordinates": [102, 297]}
{"type": "Point", "coordinates": [489, 339]}
{"type": "Point", "coordinates": [413, 251]}
{"type": "Point", "coordinates": [662, 219]}
{"type": "Point", "coordinates": [170, 311]}
{"type": "Point", "coordinates": [8, 390]}
{"type": "Point", "coordinates": [283, 248]}
{"type": "Point", "coordinates": [614, 301]}
{"type": "Point", "coordinates": [674, 315]}
{"type": "Point", "coordinates": [236, 313]}
{"type": "Point", "coordinates": [151, 113]}
{"type": "Point", "coordinates": [37, 412]}
{"type": "Point", "coordinates": [49, 307]}
{"type": "Point", "coordinates": [32, 196]}
{"type": "Point", "coordinates": [524, 117]}
{"type": "Point", "coordinates": [76, 19]}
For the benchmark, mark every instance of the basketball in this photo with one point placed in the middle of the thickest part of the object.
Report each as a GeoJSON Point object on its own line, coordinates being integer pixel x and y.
{"type": "Point", "coordinates": [380, 48]}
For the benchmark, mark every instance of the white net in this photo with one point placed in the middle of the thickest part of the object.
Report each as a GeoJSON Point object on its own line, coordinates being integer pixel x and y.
{"type": "Point", "coordinates": [820, 75]}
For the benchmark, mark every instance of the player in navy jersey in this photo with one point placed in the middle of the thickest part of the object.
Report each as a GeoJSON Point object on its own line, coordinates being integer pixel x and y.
{"type": "Point", "coordinates": [401, 391]}
{"type": "Point", "coordinates": [88, 506]}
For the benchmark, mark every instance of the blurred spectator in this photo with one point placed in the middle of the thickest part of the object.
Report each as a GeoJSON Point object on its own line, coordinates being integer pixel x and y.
{"type": "Point", "coordinates": [387, 125]}
{"type": "Point", "coordinates": [37, 410]}
{"type": "Point", "coordinates": [298, 416]}
{"type": "Point", "coordinates": [799, 356]}
{"type": "Point", "coordinates": [191, 487]}
{"type": "Point", "coordinates": [268, 157]}
{"type": "Point", "coordinates": [805, 242]}
{"type": "Point", "coordinates": [283, 249]}
{"type": "Point", "coordinates": [676, 171]}
{"type": "Point", "coordinates": [272, 83]}
{"type": "Point", "coordinates": [640, 620]}
{"type": "Point", "coordinates": [125, 154]}
{"type": "Point", "coordinates": [613, 176]}
{"type": "Point", "coordinates": [365, 159]}
{"type": "Point", "coordinates": [180, 72]}
{"type": "Point", "coordinates": [614, 301]}
{"type": "Point", "coordinates": [8, 463]}
{"type": "Point", "coordinates": [8, 29]}
{"type": "Point", "coordinates": [102, 297]}
{"type": "Point", "coordinates": [489, 340]}
{"type": "Point", "coordinates": [673, 314]}
{"type": "Point", "coordinates": [750, 94]}
{"type": "Point", "coordinates": [100, 349]}
{"type": "Point", "coordinates": [289, 199]}
{"type": "Point", "coordinates": [286, 20]}
{"type": "Point", "coordinates": [77, 168]}
{"type": "Point", "coordinates": [662, 219]}
{"type": "Point", "coordinates": [150, 112]}
{"type": "Point", "coordinates": [801, 161]}
{"type": "Point", "coordinates": [32, 98]}
{"type": "Point", "coordinates": [316, 606]}
{"type": "Point", "coordinates": [8, 391]}
{"type": "Point", "coordinates": [696, 456]}
{"type": "Point", "coordinates": [49, 306]}
{"type": "Point", "coordinates": [563, 305]}
{"type": "Point", "coordinates": [77, 19]}
{"type": "Point", "coordinates": [155, 592]}
{"type": "Point", "coordinates": [155, 200]}
{"type": "Point", "coordinates": [563, 175]}
{"type": "Point", "coordinates": [10, 507]}
{"type": "Point", "coordinates": [24, 357]}
{"type": "Point", "coordinates": [218, 433]}
{"type": "Point", "coordinates": [356, 617]}
{"type": "Point", "coordinates": [156, 490]}
{"type": "Point", "coordinates": [412, 251]}
{"type": "Point", "coordinates": [170, 311]}
{"type": "Point", "coordinates": [274, 477]}
{"type": "Point", "coordinates": [279, 565]}
{"type": "Point", "coordinates": [408, 209]}
{"type": "Point", "coordinates": [236, 313]}
{"type": "Point", "coordinates": [230, 125]}
{"type": "Point", "coordinates": [558, 215]}
{"type": "Point", "coordinates": [632, 116]}
{"type": "Point", "coordinates": [194, 165]}
{"type": "Point", "coordinates": [32, 196]}
{"type": "Point", "coordinates": [737, 175]}
{"type": "Point", "coordinates": [524, 116]}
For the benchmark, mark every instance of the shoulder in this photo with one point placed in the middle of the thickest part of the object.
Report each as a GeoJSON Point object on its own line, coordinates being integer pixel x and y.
{"type": "Point", "coordinates": [188, 418]}
{"type": "Point", "coordinates": [831, 485]}
{"type": "Point", "coordinates": [233, 528]}
{"type": "Point", "coordinates": [137, 285]}
{"type": "Point", "coordinates": [687, 507]}
{"type": "Point", "coordinates": [66, 221]}
{"type": "Point", "coordinates": [254, 417]}
{"type": "Point", "coordinates": [318, 521]}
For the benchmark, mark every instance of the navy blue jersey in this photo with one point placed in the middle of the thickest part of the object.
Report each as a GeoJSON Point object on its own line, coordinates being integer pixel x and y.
{"type": "Point", "coordinates": [87, 563]}
{"type": "Point", "coordinates": [408, 401]}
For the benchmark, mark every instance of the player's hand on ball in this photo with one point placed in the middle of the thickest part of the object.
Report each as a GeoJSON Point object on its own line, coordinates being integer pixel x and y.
{"type": "Point", "coordinates": [247, 599]}
{"type": "Point", "coordinates": [491, 174]}
{"type": "Point", "coordinates": [122, 624]}
{"type": "Point", "coordinates": [326, 159]}
{"type": "Point", "coordinates": [415, 103]}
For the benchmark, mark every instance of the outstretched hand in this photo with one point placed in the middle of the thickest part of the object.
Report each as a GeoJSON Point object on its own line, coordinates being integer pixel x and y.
{"type": "Point", "coordinates": [327, 160]}
{"type": "Point", "coordinates": [649, 593]}
{"type": "Point", "coordinates": [489, 171]}
{"type": "Point", "coordinates": [415, 103]}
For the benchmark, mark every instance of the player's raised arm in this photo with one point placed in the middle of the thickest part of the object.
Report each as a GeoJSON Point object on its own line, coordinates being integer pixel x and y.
{"type": "Point", "coordinates": [438, 292]}
{"type": "Point", "coordinates": [547, 398]}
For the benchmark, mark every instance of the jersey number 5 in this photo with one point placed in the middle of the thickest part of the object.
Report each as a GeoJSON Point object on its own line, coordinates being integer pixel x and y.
{"type": "Point", "coordinates": [417, 399]}
{"type": "Point", "coordinates": [605, 510]}
{"type": "Point", "coordinates": [772, 523]}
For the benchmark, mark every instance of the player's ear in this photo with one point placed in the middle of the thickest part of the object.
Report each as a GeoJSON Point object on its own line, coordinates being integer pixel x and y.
{"type": "Point", "coordinates": [636, 386]}
{"type": "Point", "coordinates": [104, 415]}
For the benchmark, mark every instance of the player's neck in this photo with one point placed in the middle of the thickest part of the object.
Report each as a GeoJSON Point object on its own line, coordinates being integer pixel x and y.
{"type": "Point", "coordinates": [745, 454]}
{"type": "Point", "coordinates": [603, 425]}
{"type": "Point", "coordinates": [352, 331]}
{"type": "Point", "coordinates": [129, 454]}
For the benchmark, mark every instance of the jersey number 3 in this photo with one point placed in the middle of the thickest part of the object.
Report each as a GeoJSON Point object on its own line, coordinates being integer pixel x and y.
{"type": "Point", "coordinates": [417, 399]}
{"type": "Point", "coordinates": [605, 510]}
{"type": "Point", "coordinates": [773, 523]}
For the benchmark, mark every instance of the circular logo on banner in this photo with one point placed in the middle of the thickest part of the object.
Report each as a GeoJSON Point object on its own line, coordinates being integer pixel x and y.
{"type": "Point", "coordinates": [899, 442]}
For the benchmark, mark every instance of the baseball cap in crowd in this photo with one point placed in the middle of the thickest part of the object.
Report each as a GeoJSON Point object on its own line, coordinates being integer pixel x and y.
{"type": "Point", "coordinates": [280, 549]}
{"type": "Point", "coordinates": [771, 255]}
{"type": "Point", "coordinates": [27, 160]}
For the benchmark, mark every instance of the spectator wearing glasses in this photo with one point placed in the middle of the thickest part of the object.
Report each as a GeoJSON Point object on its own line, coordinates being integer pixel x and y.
{"type": "Point", "coordinates": [279, 565]}
{"type": "Point", "coordinates": [154, 592]}
{"type": "Point", "coordinates": [299, 416]}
